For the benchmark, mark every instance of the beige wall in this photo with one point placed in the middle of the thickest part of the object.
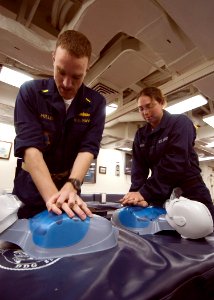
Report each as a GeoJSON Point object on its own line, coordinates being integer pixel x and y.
{"type": "Point", "coordinates": [105, 183]}
{"type": "Point", "coordinates": [108, 183]}
{"type": "Point", "coordinates": [7, 167]}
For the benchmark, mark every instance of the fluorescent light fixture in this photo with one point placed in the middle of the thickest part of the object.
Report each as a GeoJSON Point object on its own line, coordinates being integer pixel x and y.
{"type": "Point", "coordinates": [12, 77]}
{"type": "Point", "coordinates": [111, 108]}
{"type": "Point", "coordinates": [124, 148]}
{"type": "Point", "coordinates": [186, 105]}
{"type": "Point", "coordinates": [210, 145]}
{"type": "Point", "coordinates": [209, 119]}
{"type": "Point", "coordinates": [206, 158]}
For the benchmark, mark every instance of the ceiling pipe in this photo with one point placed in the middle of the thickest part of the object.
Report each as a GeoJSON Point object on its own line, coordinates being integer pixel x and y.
{"type": "Point", "coordinates": [63, 13]}
{"type": "Point", "coordinates": [21, 14]}
{"type": "Point", "coordinates": [32, 13]}
{"type": "Point", "coordinates": [80, 12]}
{"type": "Point", "coordinates": [56, 9]}
{"type": "Point", "coordinates": [211, 106]}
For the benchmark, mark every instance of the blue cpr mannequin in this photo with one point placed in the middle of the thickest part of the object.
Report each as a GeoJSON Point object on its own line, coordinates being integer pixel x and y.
{"type": "Point", "coordinates": [149, 220]}
{"type": "Point", "coordinates": [46, 228]}
{"type": "Point", "coordinates": [47, 235]}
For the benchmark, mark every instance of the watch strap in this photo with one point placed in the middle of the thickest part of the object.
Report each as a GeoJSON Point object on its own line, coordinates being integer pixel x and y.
{"type": "Point", "coordinates": [76, 183]}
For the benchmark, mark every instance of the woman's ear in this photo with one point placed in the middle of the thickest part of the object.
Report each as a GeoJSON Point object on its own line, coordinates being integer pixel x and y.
{"type": "Point", "coordinates": [163, 103]}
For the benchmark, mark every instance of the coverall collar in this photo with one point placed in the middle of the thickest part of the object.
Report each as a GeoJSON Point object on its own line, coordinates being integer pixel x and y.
{"type": "Point", "coordinates": [55, 99]}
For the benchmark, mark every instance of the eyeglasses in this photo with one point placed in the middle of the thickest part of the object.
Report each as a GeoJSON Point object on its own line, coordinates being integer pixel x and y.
{"type": "Point", "coordinates": [147, 107]}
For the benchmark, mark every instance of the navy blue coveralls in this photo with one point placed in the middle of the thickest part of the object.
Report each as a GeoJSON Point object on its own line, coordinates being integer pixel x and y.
{"type": "Point", "coordinates": [168, 151]}
{"type": "Point", "coordinates": [41, 121]}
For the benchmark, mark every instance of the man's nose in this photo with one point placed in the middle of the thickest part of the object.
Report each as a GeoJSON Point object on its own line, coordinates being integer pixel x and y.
{"type": "Point", "coordinates": [67, 82]}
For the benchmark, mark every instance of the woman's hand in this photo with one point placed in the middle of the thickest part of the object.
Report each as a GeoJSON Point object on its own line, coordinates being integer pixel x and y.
{"type": "Point", "coordinates": [134, 198]}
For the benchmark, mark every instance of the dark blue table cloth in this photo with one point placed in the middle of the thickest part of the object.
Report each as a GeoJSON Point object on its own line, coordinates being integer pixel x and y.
{"type": "Point", "coordinates": [162, 266]}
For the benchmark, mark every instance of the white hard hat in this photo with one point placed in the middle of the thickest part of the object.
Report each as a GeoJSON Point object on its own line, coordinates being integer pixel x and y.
{"type": "Point", "coordinates": [192, 219]}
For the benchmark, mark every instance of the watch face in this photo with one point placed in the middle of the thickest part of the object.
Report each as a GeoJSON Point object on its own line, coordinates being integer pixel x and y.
{"type": "Point", "coordinates": [76, 183]}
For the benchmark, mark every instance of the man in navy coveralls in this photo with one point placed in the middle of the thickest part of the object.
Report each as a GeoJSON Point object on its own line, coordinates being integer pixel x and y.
{"type": "Point", "coordinates": [59, 124]}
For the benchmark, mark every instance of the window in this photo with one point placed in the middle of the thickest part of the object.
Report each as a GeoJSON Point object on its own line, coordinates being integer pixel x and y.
{"type": "Point", "coordinates": [90, 176]}
{"type": "Point", "coordinates": [128, 163]}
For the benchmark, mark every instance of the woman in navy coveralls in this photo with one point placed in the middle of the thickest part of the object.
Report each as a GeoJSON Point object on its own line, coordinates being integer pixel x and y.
{"type": "Point", "coordinates": [165, 145]}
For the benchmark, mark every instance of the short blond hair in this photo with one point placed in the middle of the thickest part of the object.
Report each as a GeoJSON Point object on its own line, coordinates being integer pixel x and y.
{"type": "Point", "coordinates": [75, 43]}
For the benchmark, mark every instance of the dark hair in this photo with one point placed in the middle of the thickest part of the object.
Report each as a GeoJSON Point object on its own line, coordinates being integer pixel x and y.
{"type": "Point", "coordinates": [75, 43]}
{"type": "Point", "coordinates": [154, 93]}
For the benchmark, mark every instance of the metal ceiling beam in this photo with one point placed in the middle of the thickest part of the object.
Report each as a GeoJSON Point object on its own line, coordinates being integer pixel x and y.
{"type": "Point", "coordinates": [79, 14]}
{"type": "Point", "coordinates": [21, 14]}
{"type": "Point", "coordinates": [189, 77]}
{"type": "Point", "coordinates": [119, 48]}
{"type": "Point", "coordinates": [175, 84]}
{"type": "Point", "coordinates": [32, 12]}
{"type": "Point", "coordinates": [21, 17]}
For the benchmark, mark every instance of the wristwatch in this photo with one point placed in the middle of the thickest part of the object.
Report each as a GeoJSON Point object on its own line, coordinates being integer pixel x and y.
{"type": "Point", "coordinates": [76, 183]}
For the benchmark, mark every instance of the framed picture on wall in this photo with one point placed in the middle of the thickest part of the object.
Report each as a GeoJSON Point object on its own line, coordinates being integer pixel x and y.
{"type": "Point", "coordinates": [5, 149]}
{"type": "Point", "coordinates": [102, 170]}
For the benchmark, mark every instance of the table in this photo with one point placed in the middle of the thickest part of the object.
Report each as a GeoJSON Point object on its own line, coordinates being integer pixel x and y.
{"type": "Point", "coordinates": [153, 267]}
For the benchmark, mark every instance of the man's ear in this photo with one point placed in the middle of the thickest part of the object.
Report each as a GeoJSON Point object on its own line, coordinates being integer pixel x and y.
{"type": "Point", "coordinates": [53, 56]}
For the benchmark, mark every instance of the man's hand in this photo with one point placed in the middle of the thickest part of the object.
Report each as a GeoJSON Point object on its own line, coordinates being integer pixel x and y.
{"type": "Point", "coordinates": [68, 201]}
{"type": "Point", "coordinates": [134, 198]}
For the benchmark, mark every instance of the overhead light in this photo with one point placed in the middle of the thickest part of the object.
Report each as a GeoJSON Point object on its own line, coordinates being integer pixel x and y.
{"type": "Point", "coordinates": [124, 145]}
{"type": "Point", "coordinates": [186, 105]}
{"type": "Point", "coordinates": [124, 148]}
{"type": "Point", "coordinates": [206, 158]}
{"type": "Point", "coordinates": [209, 119]}
{"type": "Point", "coordinates": [210, 145]}
{"type": "Point", "coordinates": [111, 108]}
{"type": "Point", "coordinates": [13, 77]}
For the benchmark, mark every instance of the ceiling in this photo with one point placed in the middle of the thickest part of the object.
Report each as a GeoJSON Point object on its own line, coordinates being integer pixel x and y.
{"type": "Point", "coordinates": [136, 43]}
